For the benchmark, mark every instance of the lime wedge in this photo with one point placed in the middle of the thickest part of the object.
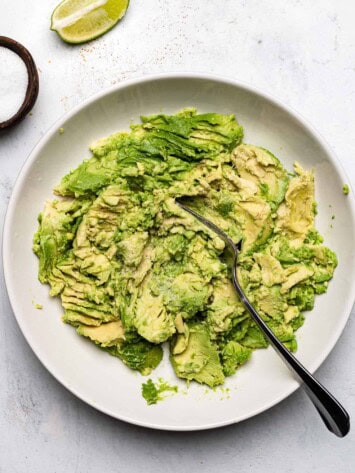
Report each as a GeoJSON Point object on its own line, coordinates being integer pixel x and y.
{"type": "Point", "coordinates": [79, 21]}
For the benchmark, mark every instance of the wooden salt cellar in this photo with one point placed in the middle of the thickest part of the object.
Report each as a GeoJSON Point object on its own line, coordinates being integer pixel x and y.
{"type": "Point", "coordinates": [33, 81]}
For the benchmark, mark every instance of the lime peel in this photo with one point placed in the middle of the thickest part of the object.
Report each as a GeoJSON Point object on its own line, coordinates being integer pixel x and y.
{"type": "Point", "coordinates": [79, 21]}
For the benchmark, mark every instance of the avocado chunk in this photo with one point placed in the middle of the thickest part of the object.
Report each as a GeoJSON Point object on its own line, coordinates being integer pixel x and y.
{"type": "Point", "coordinates": [54, 238]}
{"type": "Point", "coordinates": [200, 360]}
{"type": "Point", "coordinates": [105, 335]}
{"type": "Point", "coordinates": [271, 269]}
{"type": "Point", "coordinates": [296, 213]}
{"type": "Point", "coordinates": [262, 168]}
{"type": "Point", "coordinates": [188, 295]}
{"type": "Point", "coordinates": [131, 248]}
{"type": "Point", "coordinates": [224, 308]}
{"type": "Point", "coordinates": [233, 356]}
{"type": "Point", "coordinates": [152, 320]}
{"type": "Point", "coordinates": [141, 355]}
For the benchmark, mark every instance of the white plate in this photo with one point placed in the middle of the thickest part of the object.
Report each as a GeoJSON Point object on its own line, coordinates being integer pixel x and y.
{"type": "Point", "coordinates": [103, 381]}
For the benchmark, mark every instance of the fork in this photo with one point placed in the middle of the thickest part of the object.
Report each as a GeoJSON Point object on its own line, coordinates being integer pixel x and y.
{"type": "Point", "coordinates": [333, 414]}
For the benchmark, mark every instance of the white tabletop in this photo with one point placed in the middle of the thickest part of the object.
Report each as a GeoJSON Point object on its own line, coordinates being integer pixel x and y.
{"type": "Point", "coordinates": [300, 51]}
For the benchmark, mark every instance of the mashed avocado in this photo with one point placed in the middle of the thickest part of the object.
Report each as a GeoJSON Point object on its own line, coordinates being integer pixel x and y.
{"type": "Point", "coordinates": [154, 392]}
{"type": "Point", "coordinates": [133, 270]}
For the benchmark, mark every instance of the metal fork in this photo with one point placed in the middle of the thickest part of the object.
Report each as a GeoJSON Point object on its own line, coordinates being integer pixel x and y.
{"type": "Point", "coordinates": [331, 411]}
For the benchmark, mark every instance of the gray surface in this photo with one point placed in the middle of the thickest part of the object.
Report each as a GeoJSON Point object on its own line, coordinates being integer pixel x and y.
{"type": "Point", "coordinates": [300, 51]}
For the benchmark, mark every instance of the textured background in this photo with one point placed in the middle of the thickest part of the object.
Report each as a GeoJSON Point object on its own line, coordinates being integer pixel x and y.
{"type": "Point", "coordinates": [300, 51]}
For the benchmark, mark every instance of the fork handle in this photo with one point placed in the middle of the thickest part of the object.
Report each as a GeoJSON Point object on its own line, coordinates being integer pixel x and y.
{"type": "Point", "coordinates": [331, 411]}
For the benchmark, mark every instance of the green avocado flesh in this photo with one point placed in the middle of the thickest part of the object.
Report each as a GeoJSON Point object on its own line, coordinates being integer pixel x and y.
{"type": "Point", "coordinates": [134, 270]}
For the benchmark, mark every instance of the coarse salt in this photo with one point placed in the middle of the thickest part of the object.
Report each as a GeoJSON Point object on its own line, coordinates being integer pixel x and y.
{"type": "Point", "coordinates": [13, 83]}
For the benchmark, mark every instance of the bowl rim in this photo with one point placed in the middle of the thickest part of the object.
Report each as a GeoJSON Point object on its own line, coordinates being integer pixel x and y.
{"type": "Point", "coordinates": [48, 136]}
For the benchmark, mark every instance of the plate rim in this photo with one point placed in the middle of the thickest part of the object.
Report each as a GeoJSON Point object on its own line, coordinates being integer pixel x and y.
{"type": "Point", "coordinates": [48, 136]}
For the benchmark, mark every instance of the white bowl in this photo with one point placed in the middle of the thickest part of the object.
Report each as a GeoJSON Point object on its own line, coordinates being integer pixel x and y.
{"type": "Point", "coordinates": [103, 381]}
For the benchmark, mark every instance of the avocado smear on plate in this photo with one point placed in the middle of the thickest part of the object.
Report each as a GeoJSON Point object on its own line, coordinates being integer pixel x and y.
{"type": "Point", "coordinates": [133, 270]}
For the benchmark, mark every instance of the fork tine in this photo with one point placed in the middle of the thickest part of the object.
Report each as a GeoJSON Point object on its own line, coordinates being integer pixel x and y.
{"type": "Point", "coordinates": [228, 241]}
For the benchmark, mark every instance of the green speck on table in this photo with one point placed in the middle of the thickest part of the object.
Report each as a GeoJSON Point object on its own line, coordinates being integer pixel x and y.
{"type": "Point", "coordinates": [61, 131]}
{"type": "Point", "coordinates": [346, 189]}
